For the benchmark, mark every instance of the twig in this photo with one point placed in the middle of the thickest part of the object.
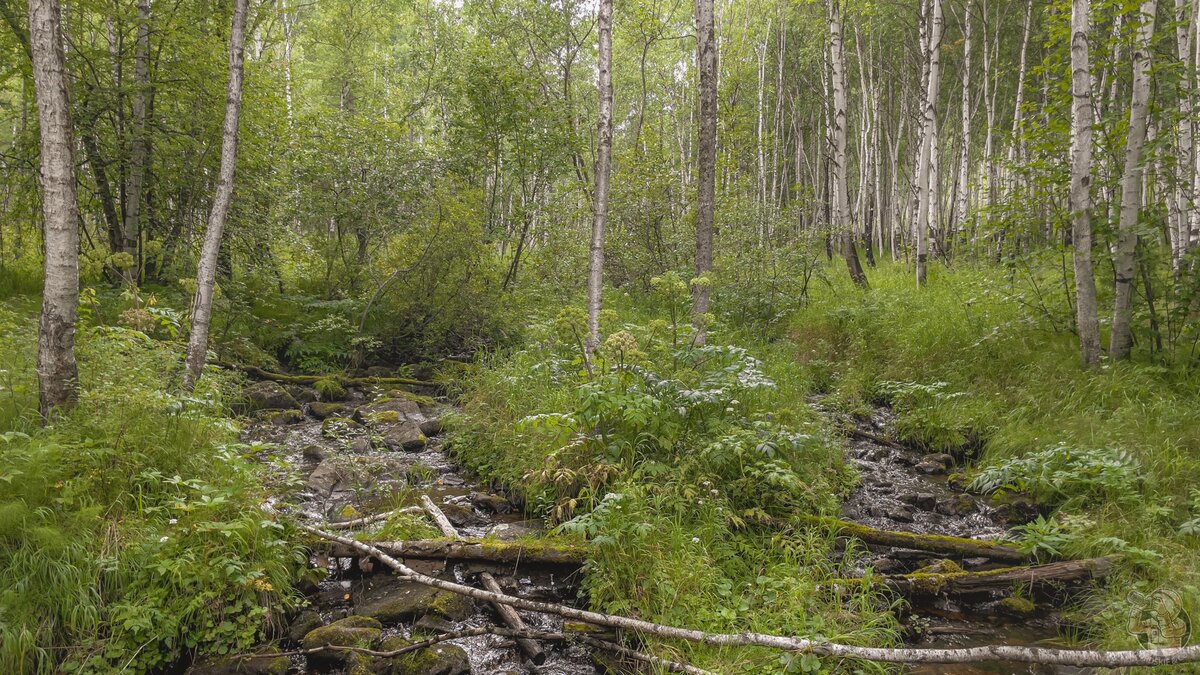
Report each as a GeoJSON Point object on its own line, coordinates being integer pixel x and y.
{"type": "Point", "coordinates": [1083, 658]}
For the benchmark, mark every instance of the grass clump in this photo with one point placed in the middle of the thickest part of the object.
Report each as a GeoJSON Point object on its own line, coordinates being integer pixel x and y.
{"type": "Point", "coordinates": [130, 533]}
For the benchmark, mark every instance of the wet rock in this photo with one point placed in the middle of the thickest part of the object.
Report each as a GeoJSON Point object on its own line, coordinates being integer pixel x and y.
{"type": "Point", "coordinates": [461, 516]}
{"type": "Point", "coordinates": [324, 410]}
{"type": "Point", "coordinates": [926, 501]}
{"type": "Point", "coordinates": [432, 426]}
{"type": "Point", "coordinates": [329, 476]}
{"type": "Point", "coordinates": [314, 453]}
{"type": "Point", "coordinates": [334, 427]}
{"type": "Point", "coordinates": [360, 445]}
{"type": "Point", "coordinates": [514, 531]}
{"type": "Point", "coordinates": [283, 418]}
{"type": "Point", "coordinates": [401, 602]}
{"type": "Point", "coordinates": [1017, 606]}
{"type": "Point", "coordinates": [268, 396]}
{"type": "Point", "coordinates": [956, 505]}
{"type": "Point", "coordinates": [302, 393]}
{"type": "Point", "coordinates": [935, 463]}
{"type": "Point", "coordinates": [434, 624]}
{"type": "Point", "coordinates": [404, 436]}
{"type": "Point", "coordinates": [352, 631]}
{"type": "Point", "coordinates": [387, 410]}
{"type": "Point", "coordinates": [440, 659]}
{"type": "Point", "coordinates": [900, 514]}
{"type": "Point", "coordinates": [256, 665]}
{"type": "Point", "coordinates": [305, 623]}
{"type": "Point", "coordinates": [1016, 508]}
{"type": "Point", "coordinates": [491, 503]}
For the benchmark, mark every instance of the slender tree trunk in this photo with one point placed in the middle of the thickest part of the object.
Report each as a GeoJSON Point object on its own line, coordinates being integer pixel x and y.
{"type": "Point", "coordinates": [962, 204]}
{"type": "Point", "coordinates": [1184, 195]}
{"type": "Point", "coordinates": [1086, 313]}
{"type": "Point", "coordinates": [1131, 187]}
{"type": "Point", "coordinates": [595, 284]}
{"type": "Point", "coordinates": [706, 174]}
{"type": "Point", "coordinates": [841, 198]}
{"type": "Point", "coordinates": [207, 268]}
{"type": "Point", "coordinates": [928, 143]}
{"type": "Point", "coordinates": [139, 148]}
{"type": "Point", "coordinates": [57, 373]}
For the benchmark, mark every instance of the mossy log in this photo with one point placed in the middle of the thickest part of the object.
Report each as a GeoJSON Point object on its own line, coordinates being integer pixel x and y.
{"type": "Point", "coordinates": [988, 581]}
{"type": "Point", "coordinates": [934, 543]}
{"type": "Point", "coordinates": [344, 380]}
{"type": "Point", "coordinates": [506, 552]}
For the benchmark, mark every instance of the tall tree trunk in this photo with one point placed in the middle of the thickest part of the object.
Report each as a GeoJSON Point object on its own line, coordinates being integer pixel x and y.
{"type": "Point", "coordinates": [1131, 187]}
{"type": "Point", "coordinates": [841, 198]}
{"type": "Point", "coordinates": [706, 174]}
{"type": "Point", "coordinates": [57, 373]}
{"type": "Point", "coordinates": [139, 149]}
{"type": "Point", "coordinates": [962, 203]}
{"type": "Point", "coordinates": [928, 143]}
{"type": "Point", "coordinates": [207, 268]}
{"type": "Point", "coordinates": [595, 282]}
{"type": "Point", "coordinates": [1086, 313]}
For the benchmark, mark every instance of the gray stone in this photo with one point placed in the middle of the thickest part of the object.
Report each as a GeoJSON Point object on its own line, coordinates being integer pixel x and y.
{"type": "Point", "coordinates": [491, 503]}
{"type": "Point", "coordinates": [925, 501]}
{"type": "Point", "coordinates": [403, 601]}
{"type": "Point", "coordinates": [268, 395]}
{"type": "Point", "coordinates": [352, 631]}
{"type": "Point", "coordinates": [404, 436]}
{"type": "Point", "coordinates": [439, 659]}
{"type": "Point", "coordinates": [329, 476]}
{"type": "Point", "coordinates": [323, 410]}
{"type": "Point", "coordinates": [306, 622]}
{"type": "Point", "coordinates": [513, 531]}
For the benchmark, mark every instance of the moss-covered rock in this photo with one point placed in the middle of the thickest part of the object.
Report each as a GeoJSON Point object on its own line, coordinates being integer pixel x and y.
{"type": "Point", "coordinates": [440, 659]}
{"type": "Point", "coordinates": [1018, 605]}
{"type": "Point", "coordinates": [330, 389]}
{"type": "Point", "coordinates": [352, 631]}
{"type": "Point", "coordinates": [304, 623]}
{"type": "Point", "coordinates": [229, 665]}
{"type": "Point", "coordinates": [402, 602]}
{"type": "Point", "coordinates": [324, 410]}
{"type": "Point", "coordinates": [268, 396]}
{"type": "Point", "coordinates": [281, 418]}
{"type": "Point", "coordinates": [404, 436]}
{"type": "Point", "coordinates": [399, 407]}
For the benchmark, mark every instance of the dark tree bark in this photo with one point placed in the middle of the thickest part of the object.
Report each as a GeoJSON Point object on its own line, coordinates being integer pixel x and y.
{"type": "Point", "coordinates": [706, 174]}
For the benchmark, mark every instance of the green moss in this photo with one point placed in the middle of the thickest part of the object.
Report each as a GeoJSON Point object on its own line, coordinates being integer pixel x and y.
{"type": "Point", "coordinates": [383, 417]}
{"type": "Point", "coordinates": [329, 388]}
{"type": "Point", "coordinates": [1018, 605]}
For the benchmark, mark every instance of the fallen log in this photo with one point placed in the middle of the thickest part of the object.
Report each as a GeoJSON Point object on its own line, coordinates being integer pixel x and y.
{"type": "Point", "coordinates": [855, 432]}
{"type": "Point", "coordinates": [532, 650]}
{"type": "Point", "coordinates": [935, 543]}
{"type": "Point", "coordinates": [485, 550]}
{"type": "Point", "coordinates": [959, 582]}
{"type": "Point", "coordinates": [344, 380]}
{"type": "Point", "coordinates": [820, 646]}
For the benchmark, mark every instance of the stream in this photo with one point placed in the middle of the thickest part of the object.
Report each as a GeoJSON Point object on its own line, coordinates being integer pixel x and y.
{"type": "Point", "coordinates": [377, 450]}
{"type": "Point", "coordinates": [906, 490]}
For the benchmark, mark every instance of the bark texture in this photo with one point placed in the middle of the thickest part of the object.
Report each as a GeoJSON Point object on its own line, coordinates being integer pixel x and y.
{"type": "Point", "coordinates": [841, 198]}
{"type": "Point", "coordinates": [207, 269]}
{"type": "Point", "coordinates": [925, 189]}
{"type": "Point", "coordinates": [1131, 188]}
{"type": "Point", "coordinates": [57, 372]}
{"type": "Point", "coordinates": [595, 283]}
{"type": "Point", "coordinates": [706, 173]}
{"type": "Point", "coordinates": [1086, 312]}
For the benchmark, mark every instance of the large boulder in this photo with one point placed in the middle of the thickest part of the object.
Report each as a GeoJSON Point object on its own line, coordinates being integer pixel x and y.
{"type": "Point", "coordinates": [323, 410]}
{"type": "Point", "coordinates": [440, 659]}
{"type": "Point", "coordinates": [268, 395]}
{"type": "Point", "coordinates": [387, 410]}
{"type": "Point", "coordinates": [252, 665]}
{"type": "Point", "coordinates": [400, 602]}
{"type": "Point", "coordinates": [330, 475]}
{"type": "Point", "coordinates": [404, 436]}
{"type": "Point", "coordinates": [352, 631]}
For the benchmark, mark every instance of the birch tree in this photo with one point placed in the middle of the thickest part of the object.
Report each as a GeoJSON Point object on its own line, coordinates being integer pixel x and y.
{"type": "Point", "coordinates": [1086, 313]}
{"type": "Point", "coordinates": [706, 171]}
{"type": "Point", "coordinates": [925, 186]}
{"type": "Point", "coordinates": [206, 271]}
{"type": "Point", "coordinates": [1131, 187]}
{"type": "Point", "coordinates": [841, 199]}
{"type": "Point", "coordinates": [57, 372]}
{"type": "Point", "coordinates": [595, 282]}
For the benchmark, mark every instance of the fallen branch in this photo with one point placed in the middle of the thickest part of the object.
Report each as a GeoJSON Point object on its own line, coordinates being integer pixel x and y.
{"type": "Point", "coordinates": [367, 520]}
{"type": "Point", "coordinates": [669, 666]}
{"type": "Point", "coordinates": [1082, 658]}
{"type": "Point", "coordinates": [936, 543]}
{"type": "Point", "coordinates": [344, 380]}
{"type": "Point", "coordinates": [503, 552]}
{"type": "Point", "coordinates": [513, 620]}
{"type": "Point", "coordinates": [874, 438]}
{"type": "Point", "coordinates": [440, 518]}
{"type": "Point", "coordinates": [988, 581]}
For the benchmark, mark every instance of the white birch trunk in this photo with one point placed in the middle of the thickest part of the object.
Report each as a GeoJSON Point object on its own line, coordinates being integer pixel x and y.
{"type": "Point", "coordinates": [1086, 312]}
{"type": "Point", "coordinates": [595, 283]}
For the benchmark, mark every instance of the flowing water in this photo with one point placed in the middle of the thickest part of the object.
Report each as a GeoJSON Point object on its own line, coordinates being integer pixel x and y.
{"type": "Point", "coordinates": [905, 490]}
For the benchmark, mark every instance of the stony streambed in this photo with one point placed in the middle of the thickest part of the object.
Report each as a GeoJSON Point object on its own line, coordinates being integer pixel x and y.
{"type": "Point", "coordinates": [372, 451]}
{"type": "Point", "coordinates": [906, 490]}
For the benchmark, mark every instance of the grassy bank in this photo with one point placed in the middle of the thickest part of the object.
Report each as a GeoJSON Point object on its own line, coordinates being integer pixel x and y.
{"type": "Point", "coordinates": [130, 531]}
{"type": "Point", "coordinates": [665, 462]}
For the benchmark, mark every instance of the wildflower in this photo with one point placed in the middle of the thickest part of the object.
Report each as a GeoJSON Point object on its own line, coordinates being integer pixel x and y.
{"type": "Point", "coordinates": [695, 540]}
{"type": "Point", "coordinates": [173, 521]}
{"type": "Point", "coordinates": [163, 539]}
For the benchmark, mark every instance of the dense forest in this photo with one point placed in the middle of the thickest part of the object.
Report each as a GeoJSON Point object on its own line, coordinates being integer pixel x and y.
{"type": "Point", "coordinates": [526, 336]}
